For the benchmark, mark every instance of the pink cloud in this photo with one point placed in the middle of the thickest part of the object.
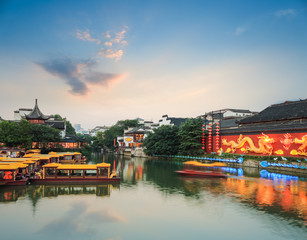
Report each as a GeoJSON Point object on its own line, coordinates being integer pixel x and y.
{"type": "Point", "coordinates": [110, 53]}
{"type": "Point", "coordinates": [86, 36]}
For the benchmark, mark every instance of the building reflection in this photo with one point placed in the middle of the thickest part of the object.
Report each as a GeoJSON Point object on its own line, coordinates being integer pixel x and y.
{"type": "Point", "coordinates": [12, 193]}
{"type": "Point", "coordinates": [285, 198]}
{"type": "Point", "coordinates": [36, 192]}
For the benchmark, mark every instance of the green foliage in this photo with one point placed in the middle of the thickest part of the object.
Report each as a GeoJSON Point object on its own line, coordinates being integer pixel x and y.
{"type": "Point", "coordinates": [164, 141]}
{"type": "Point", "coordinates": [85, 138]}
{"type": "Point", "coordinates": [44, 134]}
{"type": "Point", "coordinates": [190, 134]}
{"type": "Point", "coordinates": [14, 134]}
{"type": "Point", "coordinates": [22, 134]}
{"type": "Point", "coordinates": [70, 130]}
{"type": "Point", "coordinates": [117, 130]}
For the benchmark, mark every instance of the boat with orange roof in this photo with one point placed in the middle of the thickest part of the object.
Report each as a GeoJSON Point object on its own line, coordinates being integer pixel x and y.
{"type": "Point", "coordinates": [75, 173]}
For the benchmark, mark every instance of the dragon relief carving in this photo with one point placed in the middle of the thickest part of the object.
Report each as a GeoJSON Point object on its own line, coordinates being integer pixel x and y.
{"type": "Point", "coordinates": [301, 150]}
{"type": "Point", "coordinates": [264, 142]}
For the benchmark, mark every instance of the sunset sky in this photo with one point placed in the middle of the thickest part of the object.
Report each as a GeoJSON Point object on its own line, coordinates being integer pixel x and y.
{"type": "Point", "coordinates": [96, 62]}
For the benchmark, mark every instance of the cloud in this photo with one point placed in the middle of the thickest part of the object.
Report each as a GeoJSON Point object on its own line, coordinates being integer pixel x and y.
{"type": "Point", "coordinates": [112, 54]}
{"type": "Point", "coordinates": [79, 222]}
{"type": "Point", "coordinates": [108, 44]}
{"type": "Point", "coordinates": [86, 36]}
{"type": "Point", "coordinates": [99, 78]}
{"type": "Point", "coordinates": [239, 31]}
{"type": "Point", "coordinates": [113, 43]}
{"type": "Point", "coordinates": [286, 13]}
{"type": "Point", "coordinates": [119, 36]}
{"type": "Point", "coordinates": [78, 74]}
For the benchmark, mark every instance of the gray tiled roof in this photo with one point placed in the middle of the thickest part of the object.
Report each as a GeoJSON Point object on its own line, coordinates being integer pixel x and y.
{"type": "Point", "coordinates": [56, 124]}
{"type": "Point", "coordinates": [36, 113]}
{"type": "Point", "coordinates": [279, 112]}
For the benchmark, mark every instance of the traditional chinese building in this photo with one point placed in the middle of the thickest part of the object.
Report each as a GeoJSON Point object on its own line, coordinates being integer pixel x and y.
{"type": "Point", "coordinates": [166, 120]}
{"type": "Point", "coordinates": [35, 116]}
{"type": "Point", "coordinates": [280, 129]}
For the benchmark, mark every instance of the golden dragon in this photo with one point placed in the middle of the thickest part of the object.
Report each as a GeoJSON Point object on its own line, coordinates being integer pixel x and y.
{"type": "Point", "coordinates": [264, 142]}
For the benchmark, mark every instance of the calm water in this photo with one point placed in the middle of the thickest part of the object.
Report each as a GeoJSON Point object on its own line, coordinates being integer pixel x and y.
{"type": "Point", "coordinates": [152, 202]}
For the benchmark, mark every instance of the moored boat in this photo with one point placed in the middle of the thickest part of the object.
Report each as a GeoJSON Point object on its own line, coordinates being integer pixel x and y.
{"type": "Point", "coordinates": [10, 175]}
{"type": "Point", "coordinates": [197, 169]}
{"type": "Point", "coordinates": [75, 173]}
{"type": "Point", "coordinates": [204, 174]}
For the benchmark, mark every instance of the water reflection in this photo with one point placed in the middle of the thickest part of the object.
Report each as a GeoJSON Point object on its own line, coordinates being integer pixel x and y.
{"type": "Point", "coordinates": [285, 197]}
{"type": "Point", "coordinates": [36, 192]}
{"type": "Point", "coordinates": [150, 193]}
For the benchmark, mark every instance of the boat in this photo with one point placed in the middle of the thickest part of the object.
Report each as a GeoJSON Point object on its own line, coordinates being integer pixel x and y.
{"type": "Point", "coordinates": [70, 157]}
{"type": "Point", "coordinates": [203, 174]}
{"type": "Point", "coordinates": [13, 174]}
{"type": "Point", "coordinates": [197, 169]}
{"type": "Point", "coordinates": [75, 173]}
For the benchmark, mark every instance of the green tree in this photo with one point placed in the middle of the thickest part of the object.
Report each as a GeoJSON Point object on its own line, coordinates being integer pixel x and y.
{"type": "Point", "coordinates": [43, 134]}
{"type": "Point", "coordinates": [163, 141]}
{"type": "Point", "coordinates": [16, 134]}
{"type": "Point", "coordinates": [190, 134]}
{"type": "Point", "coordinates": [70, 130]}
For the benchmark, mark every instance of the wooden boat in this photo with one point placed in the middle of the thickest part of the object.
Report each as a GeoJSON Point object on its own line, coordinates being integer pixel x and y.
{"type": "Point", "coordinates": [197, 169]}
{"type": "Point", "coordinates": [75, 173]}
{"type": "Point", "coordinates": [10, 174]}
{"type": "Point", "coordinates": [203, 174]}
{"type": "Point", "coordinates": [70, 157]}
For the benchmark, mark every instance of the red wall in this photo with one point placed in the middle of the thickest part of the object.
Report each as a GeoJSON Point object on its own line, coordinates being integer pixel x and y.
{"type": "Point", "coordinates": [282, 144]}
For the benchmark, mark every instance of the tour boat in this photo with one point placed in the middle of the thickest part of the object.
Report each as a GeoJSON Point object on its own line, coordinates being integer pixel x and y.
{"type": "Point", "coordinates": [11, 174]}
{"type": "Point", "coordinates": [75, 173]}
{"type": "Point", "coordinates": [197, 169]}
{"type": "Point", "coordinates": [203, 174]}
{"type": "Point", "coordinates": [70, 157]}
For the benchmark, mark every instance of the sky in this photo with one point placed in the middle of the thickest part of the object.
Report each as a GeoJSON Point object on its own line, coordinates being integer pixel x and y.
{"type": "Point", "coordinates": [97, 62]}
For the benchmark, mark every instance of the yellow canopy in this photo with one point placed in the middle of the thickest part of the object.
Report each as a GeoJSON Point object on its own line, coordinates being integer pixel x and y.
{"type": "Point", "coordinates": [44, 156]}
{"type": "Point", "coordinates": [8, 167]}
{"type": "Point", "coordinates": [76, 166]}
{"type": "Point", "coordinates": [199, 164]}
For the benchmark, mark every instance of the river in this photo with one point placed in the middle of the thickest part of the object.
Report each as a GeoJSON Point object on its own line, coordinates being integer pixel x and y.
{"type": "Point", "coordinates": [152, 202]}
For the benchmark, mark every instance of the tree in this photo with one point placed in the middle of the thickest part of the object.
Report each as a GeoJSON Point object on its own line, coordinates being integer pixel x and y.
{"type": "Point", "coordinates": [190, 134]}
{"type": "Point", "coordinates": [43, 134]}
{"type": "Point", "coordinates": [70, 130]}
{"type": "Point", "coordinates": [163, 141]}
{"type": "Point", "coordinates": [16, 134]}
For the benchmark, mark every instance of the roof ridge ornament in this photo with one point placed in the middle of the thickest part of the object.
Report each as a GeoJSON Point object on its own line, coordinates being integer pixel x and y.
{"type": "Point", "coordinates": [36, 113]}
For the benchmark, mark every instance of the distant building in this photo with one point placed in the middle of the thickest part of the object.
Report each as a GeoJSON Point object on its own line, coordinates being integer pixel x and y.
{"type": "Point", "coordinates": [280, 129]}
{"type": "Point", "coordinates": [166, 120]}
{"type": "Point", "coordinates": [21, 113]}
{"type": "Point", "coordinates": [227, 118]}
{"type": "Point", "coordinates": [93, 132]}
{"type": "Point", "coordinates": [78, 127]}
{"type": "Point", "coordinates": [35, 116]}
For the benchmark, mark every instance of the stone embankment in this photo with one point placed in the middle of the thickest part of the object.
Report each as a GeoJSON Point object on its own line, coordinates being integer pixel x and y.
{"type": "Point", "coordinates": [256, 164]}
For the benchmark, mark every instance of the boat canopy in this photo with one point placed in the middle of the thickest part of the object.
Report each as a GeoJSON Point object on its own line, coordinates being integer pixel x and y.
{"type": "Point", "coordinates": [44, 156]}
{"type": "Point", "coordinates": [76, 166]}
{"type": "Point", "coordinates": [11, 167]}
{"type": "Point", "coordinates": [199, 164]}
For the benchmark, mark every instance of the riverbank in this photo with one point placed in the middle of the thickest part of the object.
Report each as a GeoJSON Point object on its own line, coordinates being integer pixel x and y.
{"type": "Point", "coordinates": [299, 168]}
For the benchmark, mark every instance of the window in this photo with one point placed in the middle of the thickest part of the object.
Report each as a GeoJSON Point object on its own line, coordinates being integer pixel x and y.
{"type": "Point", "coordinates": [103, 172]}
{"type": "Point", "coordinates": [76, 173]}
{"type": "Point", "coordinates": [92, 173]}
{"type": "Point", "coordinates": [63, 173]}
{"type": "Point", "coordinates": [50, 172]}
{"type": "Point", "coordinates": [68, 157]}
